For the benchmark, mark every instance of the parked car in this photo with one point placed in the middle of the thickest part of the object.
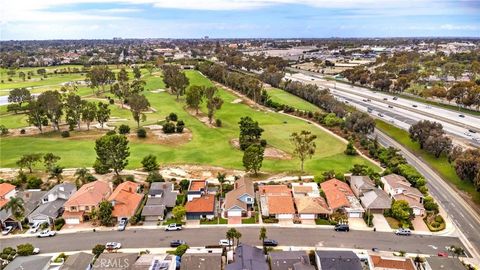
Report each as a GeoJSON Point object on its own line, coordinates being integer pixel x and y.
{"type": "Point", "coordinates": [442, 254]}
{"type": "Point", "coordinates": [36, 251]}
{"type": "Point", "coordinates": [270, 243]}
{"type": "Point", "coordinates": [477, 139]}
{"type": "Point", "coordinates": [173, 227]}
{"type": "Point", "coordinates": [7, 230]}
{"type": "Point", "coordinates": [122, 224]}
{"type": "Point", "coordinates": [113, 245]}
{"type": "Point", "coordinates": [461, 116]}
{"type": "Point", "coordinates": [403, 231]}
{"type": "Point", "coordinates": [46, 233]}
{"type": "Point", "coordinates": [342, 228]}
{"type": "Point", "coordinates": [467, 133]}
{"type": "Point", "coordinates": [35, 227]}
{"type": "Point", "coordinates": [225, 242]}
{"type": "Point", "coordinates": [176, 243]}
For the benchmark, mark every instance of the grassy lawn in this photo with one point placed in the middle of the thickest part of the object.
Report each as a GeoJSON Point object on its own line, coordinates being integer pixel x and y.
{"type": "Point", "coordinates": [172, 220]}
{"type": "Point", "coordinates": [250, 220]}
{"type": "Point", "coordinates": [283, 97]}
{"type": "Point", "coordinates": [321, 221]}
{"type": "Point", "coordinates": [214, 221]}
{"type": "Point", "coordinates": [394, 224]}
{"type": "Point", "coordinates": [440, 165]}
{"type": "Point", "coordinates": [208, 146]}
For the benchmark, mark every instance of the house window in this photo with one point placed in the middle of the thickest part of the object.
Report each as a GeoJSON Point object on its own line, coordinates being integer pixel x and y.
{"type": "Point", "coordinates": [249, 199]}
{"type": "Point", "coordinates": [87, 208]}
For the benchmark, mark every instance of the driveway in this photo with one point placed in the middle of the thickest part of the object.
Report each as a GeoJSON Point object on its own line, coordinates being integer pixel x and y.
{"type": "Point", "coordinates": [357, 224]}
{"type": "Point", "coordinates": [380, 223]}
{"type": "Point", "coordinates": [234, 220]}
{"type": "Point", "coordinates": [285, 222]}
{"type": "Point", "coordinates": [308, 221]}
{"type": "Point", "coordinates": [192, 223]}
{"type": "Point", "coordinates": [419, 225]}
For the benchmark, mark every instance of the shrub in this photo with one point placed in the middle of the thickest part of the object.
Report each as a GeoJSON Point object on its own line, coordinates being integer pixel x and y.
{"type": "Point", "coordinates": [100, 168]}
{"type": "Point", "coordinates": [22, 131]}
{"type": "Point", "coordinates": [34, 182]}
{"type": "Point", "coordinates": [25, 249]}
{"type": "Point", "coordinates": [3, 130]}
{"type": "Point", "coordinates": [111, 101]}
{"type": "Point", "coordinates": [65, 134]}
{"type": "Point", "coordinates": [111, 132]}
{"type": "Point", "coordinates": [218, 123]}
{"type": "Point", "coordinates": [368, 218]}
{"type": "Point", "coordinates": [154, 176]}
{"type": "Point", "coordinates": [168, 127]}
{"type": "Point", "coordinates": [172, 117]}
{"type": "Point", "coordinates": [150, 163]}
{"type": "Point", "coordinates": [180, 250]}
{"type": "Point", "coordinates": [123, 129]}
{"type": "Point", "coordinates": [59, 222]}
{"type": "Point", "coordinates": [263, 143]}
{"type": "Point", "coordinates": [180, 128]}
{"type": "Point", "coordinates": [141, 133]}
{"type": "Point", "coordinates": [350, 149]}
{"type": "Point", "coordinates": [98, 249]}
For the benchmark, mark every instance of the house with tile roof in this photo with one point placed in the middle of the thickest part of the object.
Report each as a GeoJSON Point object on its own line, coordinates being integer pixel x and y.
{"type": "Point", "coordinates": [340, 197]}
{"type": "Point", "coordinates": [31, 200]}
{"type": "Point", "coordinates": [81, 203]}
{"type": "Point", "coordinates": [201, 208]}
{"type": "Point", "coordinates": [400, 189]}
{"type": "Point", "coordinates": [196, 189]}
{"type": "Point", "coordinates": [51, 204]}
{"type": "Point", "coordinates": [240, 200]}
{"type": "Point", "coordinates": [392, 263]}
{"type": "Point", "coordinates": [312, 208]}
{"type": "Point", "coordinates": [276, 201]}
{"type": "Point", "coordinates": [373, 199]}
{"type": "Point", "coordinates": [125, 200]}
{"type": "Point", "coordinates": [7, 191]}
{"type": "Point", "coordinates": [305, 189]}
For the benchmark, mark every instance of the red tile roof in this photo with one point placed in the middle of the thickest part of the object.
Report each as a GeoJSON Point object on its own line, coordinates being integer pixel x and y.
{"type": "Point", "coordinates": [5, 188]}
{"type": "Point", "coordinates": [89, 194]}
{"type": "Point", "coordinates": [197, 185]}
{"type": "Point", "coordinates": [392, 263]}
{"type": "Point", "coordinates": [280, 205]}
{"type": "Point", "coordinates": [274, 189]}
{"type": "Point", "coordinates": [126, 199]}
{"type": "Point", "coordinates": [203, 204]}
{"type": "Point", "coordinates": [336, 192]}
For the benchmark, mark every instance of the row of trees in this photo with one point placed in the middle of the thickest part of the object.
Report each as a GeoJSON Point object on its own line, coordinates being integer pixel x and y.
{"type": "Point", "coordinates": [196, 94]}
{"type": "Point", "coordinates": [431, 137]}
{"type": "Point", "coordinates": [174, 79]}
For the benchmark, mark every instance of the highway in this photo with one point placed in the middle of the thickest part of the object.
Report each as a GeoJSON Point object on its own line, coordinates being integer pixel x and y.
{"type": "Point", "coordinates": [400, 112]}
{"type": "Point", "coordinates": [197, 237]}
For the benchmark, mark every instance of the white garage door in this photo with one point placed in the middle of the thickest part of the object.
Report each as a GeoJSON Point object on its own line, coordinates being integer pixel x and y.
{"type": "Point", "coordinates": [234, 213]}
{"type": "Point", "coordinates": [72, 221]}
{"type": "Point", "coordinates": [307, 216]}
{"type": "Point", "coordinates": [285, 216]}
{"type": "Point", "coordinates": [355, 214]}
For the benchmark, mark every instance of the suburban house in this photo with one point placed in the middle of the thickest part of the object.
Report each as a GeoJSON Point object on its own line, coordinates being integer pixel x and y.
{"type": "Point", "coordinates": [340, 197]}
{"type": "Point", "coordinates": [202, 259]}
{"type": "Point", "coordinates": [276, 201]}
{"type": "Point", "coordinates": [305, 190]}
{"type": "Point", "coordinates": [337, 259]}
{"type": "Point", "coordinates": [312, 207]}
{"type": "Point", "coordinates": [125, 200]}
{"type": "Point", "coordinates": [393, 263]}
{"type": "Point", "coordinates": [400, 189]}
{"type": "Point", "coordinates": [373, 199]}
{"type": "Point", "coordinates": [240, 200]}
{"type": "Point", "coordinates": [82, 202]}
{"type": "Point", "coordinates": [51, 204]}
{"type": "Point", "coordinates": [161, 198]}
{"type": "Point", "coordinates": [290, 260]}
{"type": "Point", "coordinates": [197, 189]}
{"type": "Point", "coordinates": [78, 261]}
{"type": "Point", "coordinates": [201, 208]}
{"type": "Point", "coordinates": [31, 200]}
{"type": "Point", "coordinates": [7, 191]}
{"type": "Point", "coordinates": [123, 261]}
{"type": "Point", "coordinates": [156, 261]}
{"type": "Point", "coordinates": [30, 263]}
{"type": "Point", "coordinates": [248, 257]}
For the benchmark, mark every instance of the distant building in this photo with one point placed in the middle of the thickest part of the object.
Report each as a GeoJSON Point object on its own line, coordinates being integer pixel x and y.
{"type": "Point", "coordinates": [81, 203]}
{"type": "Point", "coordinates": [196, 189]}
{"type": "Point", "coordinates": [392, 263]}
{"type": "Point", "coordinates": [435, 263]}
{"type": "Point", "coordinates": [155, 262]}
{"type": "Point", "coordinates": [201, 208]}
{"type": "Point", "coordinates": [51, 204]}
{"type": "Point", "coordinates": [341, 197]}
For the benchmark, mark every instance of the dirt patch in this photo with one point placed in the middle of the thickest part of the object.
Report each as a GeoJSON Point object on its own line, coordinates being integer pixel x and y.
{"type": "Point", "coordinates": [201, 117]}
{"type": "Point", "coordinates": [155, 135]}
{"type": "Point", "coordinates": [236, 101]}
{"type": "Point", "coordinates": [270, 152]}
{"type": "Point", "coordinates": [157, 91]}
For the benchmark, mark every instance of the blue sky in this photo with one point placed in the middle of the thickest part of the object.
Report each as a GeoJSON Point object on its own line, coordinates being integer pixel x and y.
{"type": "Point", "coordinates": [75, 19]}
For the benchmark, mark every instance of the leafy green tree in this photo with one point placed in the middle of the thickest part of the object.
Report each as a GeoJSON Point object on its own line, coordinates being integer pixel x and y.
{"type": "Point", "coordinates": [98, 249]}
{"type": "Point", "coordinates": [89, 113]}
{"type": "Point", "coordinates": [50, 160]}
{"type": "Point", "coordinates": [112, 152]}
{"type": "Point", "coordinates": [105, 210]}
{"type": "Point", "coordinates": [401, 210]}
{"type": "Point", "coordinates": [25, 249]}
{"type": "Point", "coordinates": [253, 158]}
{"type": "Point", "coordinates": [103, 113]}
{"type": "Point", "coordinates": [304, 145]}
{"type": "Point", "coordinates": [36, 115]}
{"type": "Point", "coordinates": [73, 110]}
{"type": "Point", "coordinates": [214, 102]}
{"type": "Point", "coordinates": [194, 97]}
{"type": "Point", "coordinates": [81, 176]}
{"type": "Point", "coordinates": [250, 132]}
{"type": "Point", "coordinates": [184, 184]}
{"type": "Point", "coordinates": [138, 105]}
{"type": "Point", "coordinates": [51, 102]}
{"type": "Point", "coordinates": [136, 72]}
{"type": "Point", "coordinates": [150, 163]}
{"type": "Point", "coordinates": [176, 80]}
{"type": "Point", "coordinates": [262, 237]}
{"type": "Point", "coordinates": [19, 96]}
{"type": "Point", "coordinates": [179, 212]}
{"type": "Point", "coordinates": [180, 250]}
{"type": "Point", "coordinates": [98, 77]}
{"type": "Point", "coordinates": [29, 160]}
{"type": "Point", "coordinates": [137, 86]}
{"type": "Point", "coordinates": [56, 172]}
{"type": "Point", "coordinates": [221, 177]}
{"type": "Point", "coordinates": [350, 149]}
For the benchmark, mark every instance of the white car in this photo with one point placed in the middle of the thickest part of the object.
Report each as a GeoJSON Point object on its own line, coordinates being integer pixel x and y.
{"type": "Point", "coordinates": [46, 233]}
{"type": "Point", "coordinates": [113, 245]}
{"type": "Point", "coordinates": [467, 133]}
{"type": "Point", "coordinates": [36, 251]}
{"type": "Point", "coordinates": [225, 242]}
{"type": "Point", "coordinates": [476, 139]}
{"type": "Point", "coordinates": [7, 230]}
{"type": "Point", "coordinates": [173, 227]}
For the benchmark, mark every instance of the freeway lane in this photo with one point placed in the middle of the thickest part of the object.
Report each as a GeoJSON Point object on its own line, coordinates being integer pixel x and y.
{"type": "Point", "coordinates": [462, 214]}
{"type": "Point", "coordinates": [150, 238]}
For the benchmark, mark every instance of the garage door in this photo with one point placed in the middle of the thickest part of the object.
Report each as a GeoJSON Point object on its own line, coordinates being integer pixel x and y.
{"type": "Point", "coordinates": [307, 216]}
{"type": "Point", "coordinates": [234, 213]}
{"type": "Point", "coordinates": [285, 216]}
{"type": "Point", "coordinates": [72, 221]}
{"type": "Point", "coordinates": [355, 214]}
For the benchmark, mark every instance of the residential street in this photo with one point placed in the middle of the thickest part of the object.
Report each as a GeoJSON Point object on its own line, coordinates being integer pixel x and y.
{"type": "Point", "coordinates": [149, 238]}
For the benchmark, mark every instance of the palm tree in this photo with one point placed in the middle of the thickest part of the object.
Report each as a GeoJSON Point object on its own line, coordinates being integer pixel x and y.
{"type": "Point", "coordinates": [56, 172]}
{"type": "Point", "coordinates": [221, 180]}
{"type": "Point", "coordinates": [81, 174]}
{"type": "Point", "coordinates": [15, 206]}
{"type": "Point", "coordinates": [237, 236]}
{"type": "Point", "coordinates": [263, 236]}
{"type": "Point", "coordinates": [231, 236]}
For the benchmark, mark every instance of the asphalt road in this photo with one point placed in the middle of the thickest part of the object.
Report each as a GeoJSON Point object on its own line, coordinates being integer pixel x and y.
{"type": "Point", "coordinates": [151, 238]}
{"type": "Point", "coordinates": [460, 212]}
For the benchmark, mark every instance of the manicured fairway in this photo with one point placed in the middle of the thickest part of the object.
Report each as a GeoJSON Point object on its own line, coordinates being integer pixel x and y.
{"type": "Point", "coordinates": [283, 97]}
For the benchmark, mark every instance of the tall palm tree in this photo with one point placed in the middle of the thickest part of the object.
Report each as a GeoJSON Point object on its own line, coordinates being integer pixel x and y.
{"type": "Point", "coordinates": [263, 236]}
{"type": "Point", "coordinates": [231, 237]}
{"type": "Point", "coordinates": [15, 206]}
{"type": "Point", "coordinates": [221, 179]}
{"type": "Point", "coordinates": [237, 236]}
{"type": "Point", "coordinates": [81, 174]}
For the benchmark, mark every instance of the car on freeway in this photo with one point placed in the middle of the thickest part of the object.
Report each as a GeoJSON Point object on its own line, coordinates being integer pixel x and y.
{"type": "Point", "coordinates": [46, 233]}
{"type": "Point", "coordinates": [369, 110]}
{"type": "Point", "coordinates": [7, 230]}
{"type": "Point", "coordinates": [342, 228]}
{"type": "Point", "coordinates": [385, 98]}
{"type": "Point", "coordinates": [467, 133]}
{"type": "Point", "coordinates": [346, 102]}
{"type": "Point", "coordinates": [415, 106]}
{"type": "Point", "coordinates": [113, 245]}
{"type": "Point", "coordinates": [176, 243]}
{"type": "Point", "coordinates": [173, 227]}
{"type": "Point", "coordinates": [403, 231]}
{"type": "Point", "coordinates": [395, 98]}
{"type": "Point", "coordinates": [368, 100]}
{"type": "Point", "coordinates": [472, 131]}
{"type": "Point", "coordinates": [122, 224]}
{"type": "Point", "coordinates": [270, 243]}
{"type": "Point", "coordinates": [390, 106]}
{"type": "Point", "coordinates": [391, 121]}
{"type": "Point", "coordinates": [225, 242]}
{"type": "Point", "coordinates": [380, 114]}
{"type": "Point", "coordinates": [476, 139]}
{"type": "Point", "coordinates": [461, 116]}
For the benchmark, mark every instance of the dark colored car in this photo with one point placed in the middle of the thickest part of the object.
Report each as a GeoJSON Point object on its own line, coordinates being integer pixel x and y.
{"type": "Point", "coordinates": [342, 228]}
{"type": "Point", "coordinates": [176, 243]}
{"type": "Point", "coordinates": [270, 243]}
{"type": "Point", "coordinates": [461, 115]}
{"type": "Point", "coordinates": [390, 106]}
{"type": "Point", "coordinates": [415, 106]}
{"type": "Point", "coordinates": [395, 98]}
{"type": "Point", "coordinates": [472, 131]}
